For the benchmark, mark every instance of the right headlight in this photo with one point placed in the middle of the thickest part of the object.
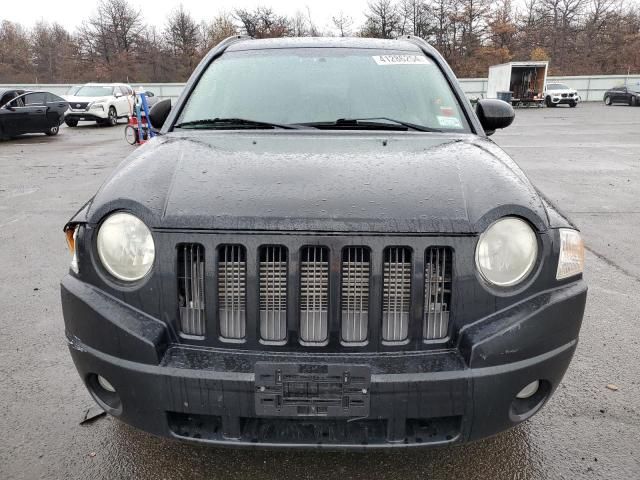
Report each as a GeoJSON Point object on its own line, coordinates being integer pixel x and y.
{"type": "Point", "coordinates": [506, 252]}
{"type": "Point", "coordinates": [571, 259]}
{"type": "Point", "coordinates": [125, 247]}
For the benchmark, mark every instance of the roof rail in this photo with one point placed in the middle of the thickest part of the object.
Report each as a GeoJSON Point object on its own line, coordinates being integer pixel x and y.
{"type": "Point", "coordinates": [415, 40]}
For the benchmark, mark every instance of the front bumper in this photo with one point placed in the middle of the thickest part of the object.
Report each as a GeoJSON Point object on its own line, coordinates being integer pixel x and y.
{"type": "Point", "coordinates": [415, 398]}
{"type": "Point", "coordinates": [565, 100]}
{"type": "Point", "coordinates": [89, 115]}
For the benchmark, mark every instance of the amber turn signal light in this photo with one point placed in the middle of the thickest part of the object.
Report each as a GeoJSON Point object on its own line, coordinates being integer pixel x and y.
{"type": "Point", "coordinates": [71, 241]}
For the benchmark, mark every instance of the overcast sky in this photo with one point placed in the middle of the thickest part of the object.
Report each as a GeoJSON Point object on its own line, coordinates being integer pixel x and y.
{"type": "Point", "coordinates": [71, 12]}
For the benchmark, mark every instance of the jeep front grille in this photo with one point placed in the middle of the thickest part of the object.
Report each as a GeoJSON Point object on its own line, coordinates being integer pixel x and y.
{"type": "Point", "coordinates": [314, 294]}
{"type": "Point", "coordinates": [355, 294]}
{"type": "Point", "coordinates": [191, 289]}
{"type": "Point", "coordinates": [288, 294]}
{"type": "Point", "coordinates": [437, 292]}
{"type": "Point", "coordinates": [273, 293]}
{"type": "Point", "coordinates": [232, 282]}
{"type": "Point", "coordinates": [396, 294]}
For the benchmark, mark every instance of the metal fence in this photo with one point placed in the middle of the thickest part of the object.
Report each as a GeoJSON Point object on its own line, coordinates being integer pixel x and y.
{"type": "Point", "coordinates": [590, 87]}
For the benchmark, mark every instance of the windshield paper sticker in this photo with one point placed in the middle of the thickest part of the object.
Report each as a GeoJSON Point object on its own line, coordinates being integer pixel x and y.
{"type": "Point", "coordinates": [401, 60]}
{"type": "Point", "coordinates": [449, 122]}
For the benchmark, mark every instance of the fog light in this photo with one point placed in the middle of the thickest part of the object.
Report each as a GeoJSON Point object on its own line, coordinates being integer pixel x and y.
{"type": "Point", "coordinates": [527, 392]}
{"type": "Point", "coordinates": [104, 383]}
{"type": "Point", "coordinates": [104, 394]}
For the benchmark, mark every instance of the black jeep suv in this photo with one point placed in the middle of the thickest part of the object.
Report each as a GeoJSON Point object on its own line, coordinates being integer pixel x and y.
{"type": "Point", "coordinates": [323, 248]}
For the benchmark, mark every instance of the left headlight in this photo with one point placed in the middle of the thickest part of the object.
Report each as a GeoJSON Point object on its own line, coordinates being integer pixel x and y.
{"type": "Point", "coordinates": [125, 247]}
{"type": "Point", "coordinates": [506, 252]}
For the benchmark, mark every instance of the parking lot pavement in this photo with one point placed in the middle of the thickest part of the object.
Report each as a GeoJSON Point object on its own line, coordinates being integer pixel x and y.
{"type": "Point", "coordinates": [586, 159]}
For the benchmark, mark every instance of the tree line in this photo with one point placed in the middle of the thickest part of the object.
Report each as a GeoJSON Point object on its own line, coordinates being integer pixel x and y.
{"type": "Point", "coordinates": [578, 37]}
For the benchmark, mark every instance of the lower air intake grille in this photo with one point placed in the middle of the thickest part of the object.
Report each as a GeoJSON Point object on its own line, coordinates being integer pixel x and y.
{"type": "Point", "coordinates": [355, 294]}
{"type": "Point", "coordinates": [396, 294]}
{"type": "Point", "coordinates": [273, 293]}
{"type": "Point", "coordinates": [191, 289]}
{"type": "Point", "coordinates": [314, 294]}
{"type": "Point", "coordinates": [232, 282]}
{"type": "Point", "coordinates": [437, 292]}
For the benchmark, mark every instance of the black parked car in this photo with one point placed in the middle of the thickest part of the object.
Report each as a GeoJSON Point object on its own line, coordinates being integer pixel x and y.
{"type": "Point", "coordinates": [624, 95]}
{"type": "Point", "coordinates": [323, 248]}
{"type": "Point", "coordinates": [30, 112]}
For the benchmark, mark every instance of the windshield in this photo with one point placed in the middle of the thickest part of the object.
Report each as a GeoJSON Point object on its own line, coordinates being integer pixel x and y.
{"type": "Point", "coordinates": [314, 85]}
{"type": "Point", "coordinates": [94, 91]}
{"type": "Point", "coordinates": [558, 86]}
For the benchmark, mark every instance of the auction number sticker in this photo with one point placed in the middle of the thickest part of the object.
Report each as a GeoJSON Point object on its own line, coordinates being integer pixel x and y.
{"type": "Point", "coordinates": [449, 122]}
{"type": "Point", "coordinates": [401, 60]}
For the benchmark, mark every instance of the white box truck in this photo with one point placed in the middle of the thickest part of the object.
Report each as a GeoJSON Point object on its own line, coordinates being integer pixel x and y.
{"type": "Point", "coordinates": [525, 81]}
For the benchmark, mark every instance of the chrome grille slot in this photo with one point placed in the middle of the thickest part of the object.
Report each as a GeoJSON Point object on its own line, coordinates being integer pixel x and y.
{"type": "Point", "coordinates": [314, 294]}
{"type": "Point", "coordinates": [396, 294]}
{"type": "Point", "coordinates": [437, 292]}
{"type": "Point", "coordinates": [191, 289]}
{"type": "Point", "coordinates": [273, 293]}
{"type": "Point", "coordinates": [355, 294]}
{"type": "Point", "coordinates": [232, 282]}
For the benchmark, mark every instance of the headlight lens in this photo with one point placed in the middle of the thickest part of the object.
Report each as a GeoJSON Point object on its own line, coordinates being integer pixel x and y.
{"type": "Point", "coordinates": [571, 260]}
{"type": "Point", "coordinates": [125, 247]}
{"type": "Point", "coordinates": [97, 106]}
{"type": "Point", "coordinates": [506, 252]}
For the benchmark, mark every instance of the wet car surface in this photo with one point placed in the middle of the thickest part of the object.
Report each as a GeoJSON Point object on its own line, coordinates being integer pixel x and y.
{"type": "Point", "coordinates": [586, 430]}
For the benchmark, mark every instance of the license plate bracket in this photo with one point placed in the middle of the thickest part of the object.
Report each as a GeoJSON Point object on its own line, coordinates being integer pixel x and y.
{"type": "Point", "coordinates": [312, 390]}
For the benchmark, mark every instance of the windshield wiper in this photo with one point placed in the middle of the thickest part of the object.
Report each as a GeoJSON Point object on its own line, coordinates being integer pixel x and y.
{"type": "Point", "coordinates": [233, 122]}
{"type": "Point", "coordinates": [371, 124]}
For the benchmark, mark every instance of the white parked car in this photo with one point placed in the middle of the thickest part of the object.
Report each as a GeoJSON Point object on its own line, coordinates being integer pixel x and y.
{"type": "Point", "coordinates": [103, 103]}
{"type": "Point", "coordinates": [560, 94]}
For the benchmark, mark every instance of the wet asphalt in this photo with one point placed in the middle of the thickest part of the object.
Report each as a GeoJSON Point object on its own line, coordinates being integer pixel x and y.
{"type": "Point", "coordinates": [587, 160]}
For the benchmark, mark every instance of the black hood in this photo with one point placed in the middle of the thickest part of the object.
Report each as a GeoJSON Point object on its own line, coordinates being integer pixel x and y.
{"type": "Point", "coordinates": [320, 181]}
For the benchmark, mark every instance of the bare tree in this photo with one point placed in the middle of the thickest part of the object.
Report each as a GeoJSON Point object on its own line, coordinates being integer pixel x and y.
{"type": "Point", "coordinates": [14, 53]}
{"type": "Point", "coordinates": [108, 39]}
{"type": "Point", "coordinates": [53, 52]}
{"type": "Point", "coordinates": [218, 29]}
{"type": "Point", "coordinates": [343, 24]}
{"type": "Point", "coordinates": [313, 30]}
{"type": "Point", "coordinates": [298, 24]}
{"type": "Point", "coordinates": [262, 22]}
{"type": "Point", "coordinates": [182, 37]}
{"type": "Point", "coordinates": [415, 18]}
{"type": "Point", "coordinates": [383, 19]}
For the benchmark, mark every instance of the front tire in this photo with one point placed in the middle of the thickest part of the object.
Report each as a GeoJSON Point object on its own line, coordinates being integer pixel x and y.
{"type": "Point", "coordinates": [607, 101]}
{"type": "Point", "coordinates": [71, 122]}
{"type": "Point", "coordinates": [573, 104]}
{"type": "Point", "coordinates": [52, 131]}
{"type": "Point", "coordinates": [547, 101]}
{"type": "Point", "coordinates": [112, 119]}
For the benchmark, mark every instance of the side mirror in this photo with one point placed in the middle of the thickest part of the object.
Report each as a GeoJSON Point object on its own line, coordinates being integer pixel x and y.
{"type": "Point", "coordinates": [159, 113]}
{"type": "Point", "coordinates": [117, 95]}
{"type": "Point", "coordinates": [494, 114]}
{"type": "Point", "coordinates": [149, 94]}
